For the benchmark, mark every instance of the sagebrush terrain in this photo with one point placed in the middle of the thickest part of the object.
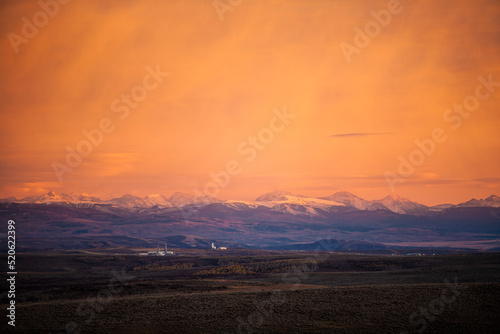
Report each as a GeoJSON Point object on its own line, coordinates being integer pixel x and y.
{"type": "Point", "coordinates": [257, 292]}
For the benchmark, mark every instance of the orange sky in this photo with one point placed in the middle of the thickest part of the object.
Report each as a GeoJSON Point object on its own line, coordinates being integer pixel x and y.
{"type": "Point", "coordinates": [226, 78]}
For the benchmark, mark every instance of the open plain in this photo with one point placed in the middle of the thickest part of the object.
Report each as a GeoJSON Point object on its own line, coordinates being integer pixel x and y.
{"type": "Point", "coordinates": [253, 291]}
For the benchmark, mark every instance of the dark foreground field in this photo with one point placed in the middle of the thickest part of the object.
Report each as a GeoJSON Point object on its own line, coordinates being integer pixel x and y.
{"type": "Point", "coordinates": [256, 292]}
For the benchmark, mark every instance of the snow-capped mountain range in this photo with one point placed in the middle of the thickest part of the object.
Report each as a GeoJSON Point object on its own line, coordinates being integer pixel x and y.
{"type": "Point", "coordinates": [402, 205]}
{"type": "Point", "coordinates": [278, 200]}
{"type": "Point", "coordinates": [493, 201]}
{"type": "Point", "coordinates": [347, 198]}
{"type": "Point", "coordinates": [275, 219]}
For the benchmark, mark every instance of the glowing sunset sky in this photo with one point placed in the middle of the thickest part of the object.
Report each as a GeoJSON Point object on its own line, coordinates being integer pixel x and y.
{"type": "Point", "coordinates": [352, 120]}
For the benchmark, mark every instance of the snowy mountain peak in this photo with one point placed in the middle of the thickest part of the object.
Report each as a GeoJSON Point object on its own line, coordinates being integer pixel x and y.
{"type": "Point", "coordinates": [395, 197]}
{"type": "Point", "coordinates": [49, 197]}
{"type": "Point", "coordinates": [359, 203]}
{"type": "Point", "coordinates": [284, 201]}
{"type": "Point", "coordinates": [492, 201]}
{"type": "Point", "coordinates": [403, 205]}
{"type": "Point", "coordinates": [156, 199]}
{"type": "Point", "coordinates": [83, 197]}
{"type": "Point", "coordinates": [179, 199]}
{"type": "Point", "coordinates": [345, 193]}
{"type": "Point", "coordinates": [128, 196]}
{"type": "Point", "coordinates": [276, 195]}
{"type": "Point", "coordinates": [493, 198]}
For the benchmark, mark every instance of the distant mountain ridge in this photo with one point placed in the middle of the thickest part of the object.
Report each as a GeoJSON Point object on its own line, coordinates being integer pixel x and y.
{"type": "Point", "coordinates": [276, 195]}
{"type": "Point", "coordinates": [402, 205]}
{"type": "Point", "coordinates": [493, 201]}
{"type": "Point", "coordinates": [277, 200]}
{"type": "Point", "coordinates": [278, 219]}
{"type": "Point", "coordinates": [352, 200]}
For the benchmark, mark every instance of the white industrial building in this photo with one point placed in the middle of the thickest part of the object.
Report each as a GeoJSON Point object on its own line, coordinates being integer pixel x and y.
{"type": "Point", "coordinates": [218, 248]}
{"type": "Point", "coordinates": [158, 253]}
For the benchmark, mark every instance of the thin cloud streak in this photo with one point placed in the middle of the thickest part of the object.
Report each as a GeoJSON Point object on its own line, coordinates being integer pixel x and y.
{"type": "Point", "coordinates": [361, 134]}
